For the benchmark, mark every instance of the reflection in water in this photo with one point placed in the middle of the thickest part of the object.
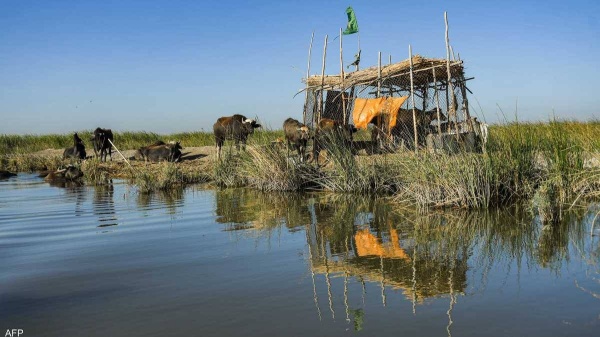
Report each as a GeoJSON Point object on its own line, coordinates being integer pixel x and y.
{"type": "Point", "coordinates": [104, 205]}
{"type": "Point", "coordinates": [422, 256]}
{"type": "Point", "coordinates": [245, 208]}
{"type": "Point", "coordinates": [73, 190]}
{"type": "Point", "coordinates": [169, 199]}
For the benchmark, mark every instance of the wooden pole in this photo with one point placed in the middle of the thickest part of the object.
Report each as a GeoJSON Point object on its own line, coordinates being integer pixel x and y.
{"type": "Point", "coordinates": [358, 38]}
{"type": "Point", "coordinates": [463, 90]}
{"type": "Point", "coordinates": [322, 82]}
{"type": "Point", "coordinates": [342, 75]}
{"type": "Point", "coordinates": [122, 156]}
{"type": "Point", "coordinates": [412, 95]}
{"type": "Point", "coordinates": [437, 102]}
{"type": "Point", "coordinates": [450, 87]}
{"type": "Point", "coordinates": [381, 129]}
{"type": "Point", "coordinates": [379, 75]}
{"type": "Point", "coordinates": [307, 75]}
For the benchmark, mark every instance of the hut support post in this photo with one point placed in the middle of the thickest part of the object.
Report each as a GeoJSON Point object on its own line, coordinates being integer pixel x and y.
{"type": "Point", "coordinates": [412, 95]}
{"type": "Point", "coordinates": [379, 75]}
{"type": "Point", "coordinates": [452, 110]}
{"type": "Point", "coordinates": [437, 102]}
{"type": "Point", "coordinates": [463, 90]}
{"type": "Point", "coordinates": [322, 82]}
{"type": "Point", "coordinates": [381, 131]}
{"type": "Point", "coordinates": [307, 75]}
{"type": "Point", "coordinates": [343, 89]}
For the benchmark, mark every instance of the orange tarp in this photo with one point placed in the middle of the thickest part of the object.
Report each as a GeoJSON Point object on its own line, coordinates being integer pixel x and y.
{"type": "Point", "coordinates": [365, 109]}
{"type": "Point", "coordinates": [368, 245]}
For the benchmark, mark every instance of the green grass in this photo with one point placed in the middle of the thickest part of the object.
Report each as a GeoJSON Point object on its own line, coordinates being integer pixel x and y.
{"type": "Point", "coordinates": [126, 140]}
{"type": "Point", "coordinates": [543, 163]}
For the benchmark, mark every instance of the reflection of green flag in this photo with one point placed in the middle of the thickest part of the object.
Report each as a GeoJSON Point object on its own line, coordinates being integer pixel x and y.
{"type": "Point", "coordinates": [352, 23]}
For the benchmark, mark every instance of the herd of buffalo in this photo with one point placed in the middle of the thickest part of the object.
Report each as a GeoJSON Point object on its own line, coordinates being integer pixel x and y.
{"type": "Point", "coordinates": [236, 128]}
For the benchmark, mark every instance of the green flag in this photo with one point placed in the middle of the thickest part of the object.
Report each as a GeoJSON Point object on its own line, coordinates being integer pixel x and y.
{"type": "Point", "coordinates": [352, 23]}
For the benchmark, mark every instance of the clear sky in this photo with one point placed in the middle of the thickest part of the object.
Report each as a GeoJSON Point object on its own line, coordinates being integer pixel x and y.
{"type": "Point", "coordinates": [174, 66]}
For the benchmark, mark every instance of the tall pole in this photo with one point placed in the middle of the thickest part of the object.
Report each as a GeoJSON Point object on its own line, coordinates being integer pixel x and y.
{"type": "Point", "coordinates": [343, 90]}
{"type": "Point", "coordinates": [322, 82]}
{"type": "Point", "coordinates": [307, 75]}
{"type": "Point", "coordinates": [437, 102]}
{"type": "Point", "coordinates": [452, 109]}
{"type": "Point", "coordinates": [412, 95]}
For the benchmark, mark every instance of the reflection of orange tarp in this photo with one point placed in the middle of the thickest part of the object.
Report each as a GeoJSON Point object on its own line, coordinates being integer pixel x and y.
{"type": "Point", "coordinates": [367, 244]}
{"type": "Point", "coordinates": [365, 109]}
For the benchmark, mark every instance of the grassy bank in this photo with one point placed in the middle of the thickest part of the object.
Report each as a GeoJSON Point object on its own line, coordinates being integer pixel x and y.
{"type": "Point", "coordinates": [548, 164]}
{"type": "Point", "coordinates": [126, 140]}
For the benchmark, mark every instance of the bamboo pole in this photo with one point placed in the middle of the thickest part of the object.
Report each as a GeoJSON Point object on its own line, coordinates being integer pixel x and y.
{"type": "Point", "coordinates": [437, 102]}
{"type": "Point", "coordinates": [122, 156]}
{"type": "Point", "coordinates": [450, 86]}
{"type": "Point", "coordinates": [307, 75]}
{"type": "Point", "coordinates": [342, 76]}
{"type": "Point", "coordinates": [322, 82]}
{"type": "Point", "coordinates": [412, 95]}
{"type": "Point", "coordinates": [380, 131]}
{"type": "Point", "coordinates": [463, 90]}
{"type": "Point", "coordinates": [379, 75]}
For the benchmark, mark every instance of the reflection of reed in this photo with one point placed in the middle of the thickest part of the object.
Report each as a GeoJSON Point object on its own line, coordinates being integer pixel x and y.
{"type": "Point", "coordinates": [162, 199]}
{"type": "Point", "coordinates": [423, 255]}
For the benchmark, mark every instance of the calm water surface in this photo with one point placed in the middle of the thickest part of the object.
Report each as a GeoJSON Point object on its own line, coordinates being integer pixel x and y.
{"type": "Point", "coordinates": [107, 261]}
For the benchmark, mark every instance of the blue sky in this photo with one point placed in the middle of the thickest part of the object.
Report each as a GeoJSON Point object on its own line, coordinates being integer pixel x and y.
{"type": "Point", "coordinates": [174, 66]}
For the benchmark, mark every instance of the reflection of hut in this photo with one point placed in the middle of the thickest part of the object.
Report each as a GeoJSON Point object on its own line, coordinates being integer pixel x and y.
{"type": "Point", "coordinates": [419, 276]}
{"type": "Point", "coordinates": [436, 88]}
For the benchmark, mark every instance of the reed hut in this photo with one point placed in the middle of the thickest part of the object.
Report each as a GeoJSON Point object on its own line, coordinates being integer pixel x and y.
{"type": "Point", "coordinates": [403, 102]}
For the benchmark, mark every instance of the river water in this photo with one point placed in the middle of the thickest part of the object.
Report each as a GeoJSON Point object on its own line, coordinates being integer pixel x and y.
{"type": "Point", "coordinates": [108, 261]}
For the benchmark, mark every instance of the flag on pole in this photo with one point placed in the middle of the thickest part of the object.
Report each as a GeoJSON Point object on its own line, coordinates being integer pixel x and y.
{"type": "Point", "coordinates": [352, 23]}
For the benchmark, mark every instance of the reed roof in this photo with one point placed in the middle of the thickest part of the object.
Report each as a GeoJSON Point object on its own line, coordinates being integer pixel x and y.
{"type": "Point", "coordinates": [397, 72]}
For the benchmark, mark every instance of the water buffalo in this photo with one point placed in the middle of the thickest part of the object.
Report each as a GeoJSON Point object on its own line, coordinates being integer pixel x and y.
{"type": "Point", "coordinates": [102, 143]}
{"type": "Point", "coordinates": [77, 150]}
{"type": "Point", "coordinates": [404, 128]}
{"type": "Point", "coordinates": [6, 174]}
{"type": "Point", "coordinates": [70, 173]}
{"type": "Point", "coordinates": [297, 134]}
{"type": "Point", "coordinates": [236, 128]}
{"type": "Point", "coordinates": [331, 132]}
{"type": "Point", "coordinates": [160, 151]}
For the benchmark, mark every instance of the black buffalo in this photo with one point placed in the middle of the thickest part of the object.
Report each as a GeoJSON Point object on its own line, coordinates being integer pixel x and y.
{"type": "Point", "coordinates": [161, 151]}
{"type": "Point", "coordinates": [102, 140]}
{"type": "Point", "coordinates": [6, 174]}
{"type": "Point", "coordinates": [329, 133]}
{"type": "Point", "coordinates": [296, 134]}
{"type": "Point", "coordinates": [77, 151]}
{"type": "Point", "coordinates": [71, 173]}
{"type": "Point", "coordinates": [236, 128]}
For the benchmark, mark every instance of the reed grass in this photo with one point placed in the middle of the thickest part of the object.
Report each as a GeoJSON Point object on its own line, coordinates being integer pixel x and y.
{"type": "Point", "coordinates": [549, 164]}
{"type": "Point", "coordinates": [124, 140]}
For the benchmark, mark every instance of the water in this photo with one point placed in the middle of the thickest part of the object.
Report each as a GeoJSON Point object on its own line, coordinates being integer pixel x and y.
{"type": "Point", "coordinates": [107, 261]}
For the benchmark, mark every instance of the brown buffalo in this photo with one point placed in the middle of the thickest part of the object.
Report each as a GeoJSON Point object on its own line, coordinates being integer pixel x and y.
{"type": "Point", "coordinates": [296, 134]}
{"type": "Point", "coordinates": [329, 133]}
{"type": "Point", "coordinates": [236, 128]}
{"type": "Point", "coordinates": [404, 128]}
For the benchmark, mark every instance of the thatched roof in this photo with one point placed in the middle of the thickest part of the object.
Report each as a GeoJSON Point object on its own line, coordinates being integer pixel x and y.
{"type": "Point", "coordinates": [397, 72]}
